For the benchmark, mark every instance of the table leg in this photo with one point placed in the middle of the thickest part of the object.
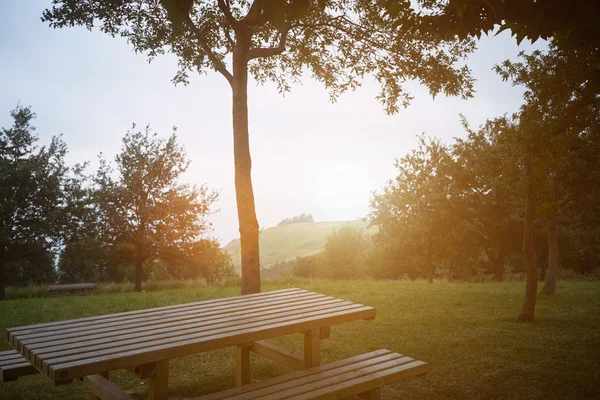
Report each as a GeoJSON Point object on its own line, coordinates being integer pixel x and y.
{"type": "Point", "coordinates": [159, 381]}
{"type": "Point", "coordinates": [312, 348]}
{"type": "Point", "coordinates": [242, 368]}
{"type": "Point", "coordinates": [105, 376]}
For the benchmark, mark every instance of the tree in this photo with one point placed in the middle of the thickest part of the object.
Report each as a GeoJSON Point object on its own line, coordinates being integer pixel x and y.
{"type": "Point", "coordinates": [574, 23]}
{"type": "Point", "coordinates": [343, 254]}
{"type": "Point", "coordinates": [415, 212]}
{"type": "Point", "coordinates": [31, 197]}
{"type": "Point", "coordinates": [483, 182]}
{"type": "Point", "coordinates": [562, 104]}
{"type": "Point", "coordinates": [279, 40]}
{"type": "Point", "coordinates": [146, 212]}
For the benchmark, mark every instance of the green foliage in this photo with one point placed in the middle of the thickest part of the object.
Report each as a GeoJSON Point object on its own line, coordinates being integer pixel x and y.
{"type": "Point", "coordinates": [343, 254]}
{"type": "Point", "coordinates": [31, 202]}
{"type": "Point", "coordinates": [339, 42]}
{"type": "Point", "coordinates": [575, 22]}
{"type": "Point", "coordinates": [146, 213]}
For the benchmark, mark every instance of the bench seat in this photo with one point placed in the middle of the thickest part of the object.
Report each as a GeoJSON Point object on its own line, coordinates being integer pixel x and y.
{"type": "Point", "coordinates": [81, 289]}
{"type": "Point", "coordinates": [342, 379]}
{"type": "Point", "coordinates": [13, 366]}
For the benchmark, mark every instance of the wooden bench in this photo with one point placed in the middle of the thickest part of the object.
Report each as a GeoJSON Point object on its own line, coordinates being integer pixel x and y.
{"type": "Point", "coordinates": [13, 366]}
{"type": "Point", "coordinates": [361, 376]}
{"type": "Point", "coordinates": [80, 289]}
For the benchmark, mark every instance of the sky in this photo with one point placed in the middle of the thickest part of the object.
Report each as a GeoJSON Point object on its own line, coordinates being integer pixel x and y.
{"type": "Point", "coordinates": [308, 155]}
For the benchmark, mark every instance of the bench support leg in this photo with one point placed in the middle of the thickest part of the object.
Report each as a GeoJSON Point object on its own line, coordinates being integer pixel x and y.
{"type": "Point", "coordinates": [159, 381]}
{"type": "Point", "coordinates": [105, 376]}
{"type": "Point", "coordinates": [242, 365]}
{"type": "Point", "coordinates": [374, 394]}
{"type": "Point", "coordinates": [312, 348]}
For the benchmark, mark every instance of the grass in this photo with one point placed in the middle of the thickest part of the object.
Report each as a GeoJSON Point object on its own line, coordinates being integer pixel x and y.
{"type": "Point", "coordinates": [465, 331]}
{"type": "Point", "coordinates": [282, 243]}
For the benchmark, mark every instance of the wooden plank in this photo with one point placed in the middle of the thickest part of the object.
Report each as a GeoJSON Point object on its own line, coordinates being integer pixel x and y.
{"type": "Point", "coordinates": [104, 318]}
{"type": "Point", "coordinates": [159, 318]}
{"type": "Point", "coordinates": [312, 348]}
{"type": "Point", "coordinates": [364, 383]}
{"type": "Point", "coordinates": [242, 365]}
{"type": "Point", "coordinates": [38, 357]}
{"type": "Point", "coordinates": [326, 385]}
{"type": "Point", "coordinates": [278, 354]}
{"type": "Point", "coordinates": [77, 286]}
{"type": "Point", "coordinates": [201, 319]}
{"type": "Point", "coordinates": [127, 320]}
{"type": "Point", "coordinates": [75, 340]}
{"type": "Point", "coordinates": [104, 389]}
{"type": "Point", "coordinates": [295, 375]}
{"type": "Point", "coordinates": [42, 362]}
{"type": "Point", "coordinates": [51, 350]}
{"type": "Point", "coordinates": [307, 382]}
{"type": "Point", "coordinates": [14, 371]}
{"type": "Point", "coordinates": [128, 358]}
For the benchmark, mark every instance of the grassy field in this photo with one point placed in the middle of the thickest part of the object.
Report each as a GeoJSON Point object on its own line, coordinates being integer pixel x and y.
{"type": "Point", "coordinates": [465, 331]}
{"type": "Point", "coordinates": [282, 243]}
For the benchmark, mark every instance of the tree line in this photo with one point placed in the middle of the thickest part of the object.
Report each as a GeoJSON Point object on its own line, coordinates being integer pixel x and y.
{"type": "Point", "coordinates": [297, 219]}
{"type": "Point", "coordinates": [519, 192]}
{"type": "Point", "coordinates": [131, 219]}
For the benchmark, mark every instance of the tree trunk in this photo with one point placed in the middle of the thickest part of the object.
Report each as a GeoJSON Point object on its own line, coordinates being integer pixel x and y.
{"type": "Point", "coordinates": [248, 224]}
{"type": "Point", "coordinates": [499, 266]}
{"type": "Point", "coordinates": [139, 270]}
{"type": "Point", "coordinates": [552, 274]}
{"type": "Point", "coordinates": [528, 311]}
{"type": "Point", "coordinates": [431, 268]}
{"type": "Point", "coordinates": [2, 290]}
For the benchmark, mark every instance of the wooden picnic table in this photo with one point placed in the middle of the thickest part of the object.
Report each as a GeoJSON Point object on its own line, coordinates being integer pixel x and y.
{"type": "Point", "coordinates": [143, 341]}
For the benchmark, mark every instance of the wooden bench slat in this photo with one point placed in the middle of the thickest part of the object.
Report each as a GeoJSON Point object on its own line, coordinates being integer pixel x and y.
{"type": "Point", "coordinates": [143, 315]}
{"type": "Point", "coordinates": [126, 359]}
{"type": "Point", "coordinates": [13, 366]}
{"type": "Point", "coordinates": [294, 375]}
{"type": "Point", "coordinates": [12, 372]}
{"type": "Point", "coordinates": [72, 344]}
{"type": "Point", "coordinates": [321, 382]}
{"type": "Point", "coordinates": [322, 379]}
{"type": "Point", "coordinates": [198, 334]}
{"type": "Point", "coordinates": [102, 318]}
{"type": "Point", "coordinates": [75, 286]}
{"type": "Point", "coordinates": [199, 329]}
{"type": "Point", "coordinates": [340, 379]}
{"type": "Point", "coordinates": [365, 383]}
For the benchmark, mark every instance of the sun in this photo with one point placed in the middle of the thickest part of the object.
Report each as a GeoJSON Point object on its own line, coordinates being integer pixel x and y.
{"type": "Point", "coordinates": [343, 192]}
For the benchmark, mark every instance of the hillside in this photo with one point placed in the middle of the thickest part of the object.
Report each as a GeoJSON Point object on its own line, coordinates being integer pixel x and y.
{"type": "Point", "coordinates": [281, 243]}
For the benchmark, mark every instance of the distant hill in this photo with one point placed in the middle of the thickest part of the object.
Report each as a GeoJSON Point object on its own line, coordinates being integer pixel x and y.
{"type": "Point", "coordinates": [285, 242]}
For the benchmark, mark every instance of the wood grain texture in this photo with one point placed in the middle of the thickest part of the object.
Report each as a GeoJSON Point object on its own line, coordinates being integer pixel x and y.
{"type": "Point", "coordinates": [66, 350]}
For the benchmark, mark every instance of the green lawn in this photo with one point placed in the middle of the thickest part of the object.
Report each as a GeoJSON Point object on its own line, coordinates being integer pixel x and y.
{"type": "Point", "coordinates": [465, 331]}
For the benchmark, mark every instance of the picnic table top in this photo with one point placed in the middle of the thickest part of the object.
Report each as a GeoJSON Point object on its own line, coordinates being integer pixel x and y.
{"type": "Point", "coordinates": [71, 349]}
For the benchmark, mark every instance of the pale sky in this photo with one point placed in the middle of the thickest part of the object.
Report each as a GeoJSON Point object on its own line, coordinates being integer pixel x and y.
{"type": "Point", "coordinates": [308, 155]}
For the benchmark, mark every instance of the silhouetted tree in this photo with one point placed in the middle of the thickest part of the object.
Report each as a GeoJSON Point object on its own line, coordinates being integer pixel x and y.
{"type": "Point", "coordinates": [146, 211]}
{"type": "Point", "coordinates": [31, 199]}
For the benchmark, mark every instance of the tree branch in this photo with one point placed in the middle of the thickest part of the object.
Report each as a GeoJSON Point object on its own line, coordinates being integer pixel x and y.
{"type": "Point", "coordinates": [228, 16]}
{"type": "Point", "coordinates": [217, 64]}
{"type": "Point", "coordinates": [260, 52]}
